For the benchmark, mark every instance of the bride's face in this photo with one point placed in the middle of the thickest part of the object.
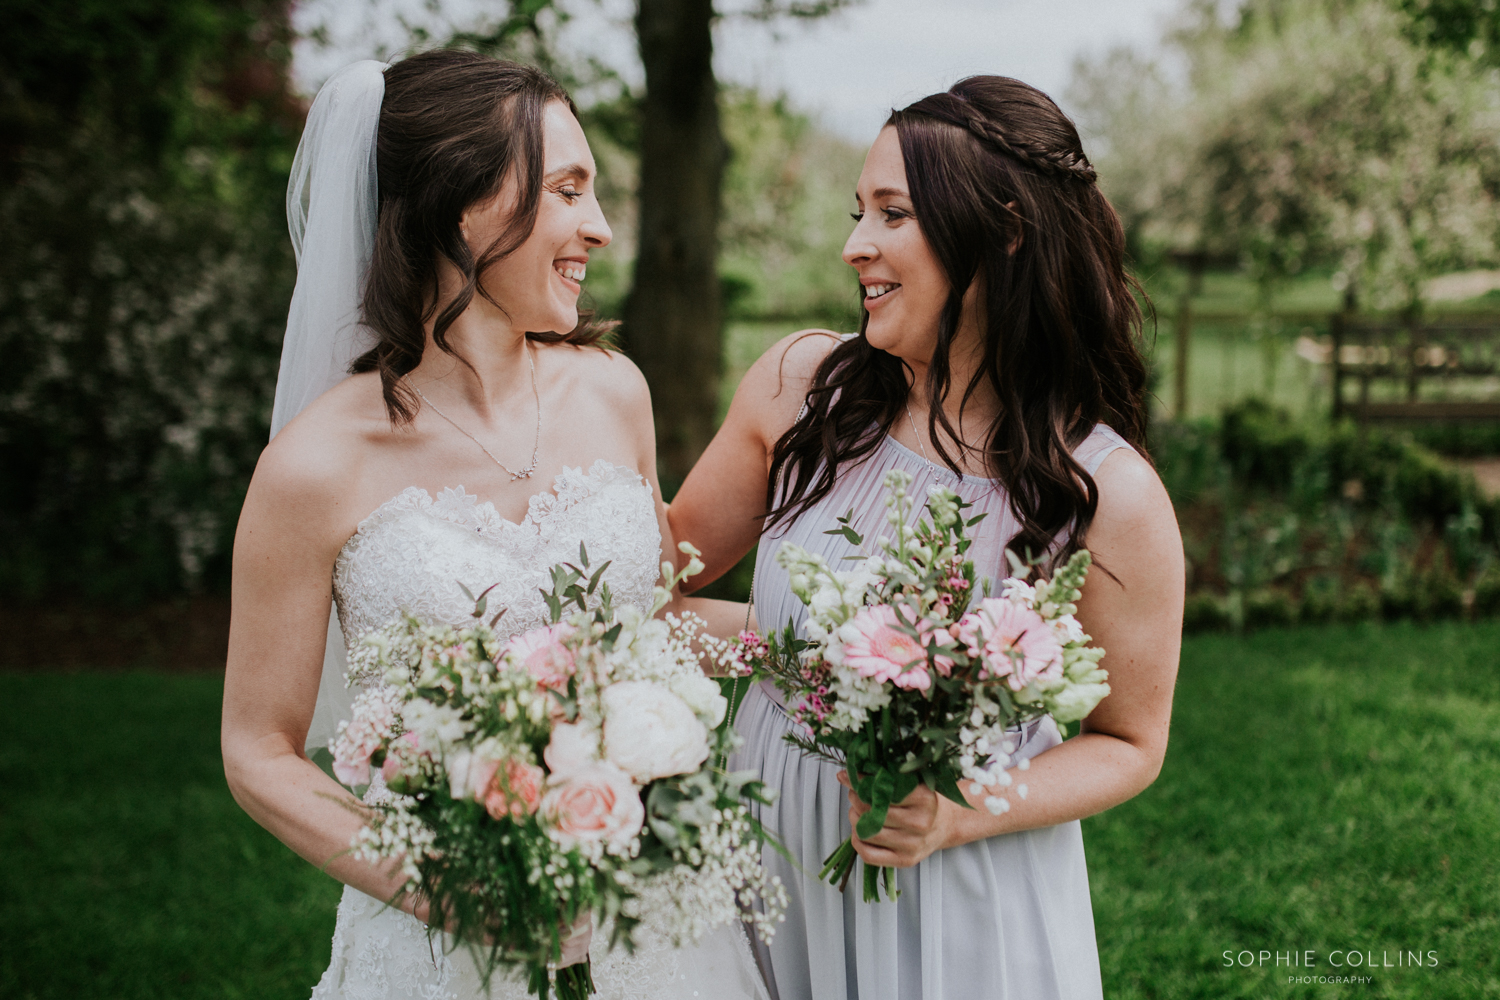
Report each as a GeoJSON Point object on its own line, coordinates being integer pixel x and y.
{"type": "Point", "coordinates": [904, 286]}
{"type": "Point", "coordinates": [537, 286]}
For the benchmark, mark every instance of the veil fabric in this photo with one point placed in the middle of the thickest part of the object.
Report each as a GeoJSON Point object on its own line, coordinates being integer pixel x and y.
{"type": "Point", "coordinates": [331, 208]}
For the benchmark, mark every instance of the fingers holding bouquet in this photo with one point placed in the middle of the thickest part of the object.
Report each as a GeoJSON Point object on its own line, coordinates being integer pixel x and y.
{"type": "Point", "coordinates": [913, 677]}
{"type": "Point", "coordinates": [915, 828]}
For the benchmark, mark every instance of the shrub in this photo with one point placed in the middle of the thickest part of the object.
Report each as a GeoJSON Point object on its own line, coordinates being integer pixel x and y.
{"type": "Point", "coordinates": [1204, 612]}
{"type": "Point", "coordinates": [1286, 521]}
{"type": "Point", "coordinates": [1487, 593]}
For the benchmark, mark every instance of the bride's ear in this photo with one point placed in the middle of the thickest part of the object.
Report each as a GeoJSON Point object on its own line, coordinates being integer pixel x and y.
{"type": "Point", "coordinates": [1015, 243]}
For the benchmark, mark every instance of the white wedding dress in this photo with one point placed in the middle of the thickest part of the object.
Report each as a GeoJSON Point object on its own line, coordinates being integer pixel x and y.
{"type": "Point", "coordinates": [410, 555]}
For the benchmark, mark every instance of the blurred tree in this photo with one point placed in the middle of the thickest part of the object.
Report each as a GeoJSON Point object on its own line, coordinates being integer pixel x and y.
{"type": "Point", "coordinates": [674, 317]}
{"type": "Point", "coordinates": [144, 275]}
{"type": "Point", "coordinates": [1309, 131]}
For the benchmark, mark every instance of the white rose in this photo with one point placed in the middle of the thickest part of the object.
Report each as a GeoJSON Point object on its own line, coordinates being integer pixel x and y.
{"type": "Point", "coordinates": [702, 696]}
{"type": "Point", "coordinates": [651, 733]}
{"type": "Point", "coordinates": [572, 747]}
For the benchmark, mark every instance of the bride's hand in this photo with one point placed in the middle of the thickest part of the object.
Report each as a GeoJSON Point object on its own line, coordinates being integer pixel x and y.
{"type": "Point", "coordinates": [576, 940]}
{"type": "Point", "coordinates": [914, 828]}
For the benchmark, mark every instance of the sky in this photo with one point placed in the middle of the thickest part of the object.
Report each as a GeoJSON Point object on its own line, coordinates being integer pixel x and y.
{"type": "Point", "coordinates": [847, 70]}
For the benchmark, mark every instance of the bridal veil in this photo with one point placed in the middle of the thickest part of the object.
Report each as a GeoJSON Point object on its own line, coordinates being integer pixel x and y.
{"type": "Point", "coordinates": [331, 208]}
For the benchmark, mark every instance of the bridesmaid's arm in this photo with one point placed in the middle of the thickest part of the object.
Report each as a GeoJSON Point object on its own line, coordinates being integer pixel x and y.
{"type": "Point", "coordinates": [1137, 619]}
{"type": "Point", "coordinates": [721, 506]}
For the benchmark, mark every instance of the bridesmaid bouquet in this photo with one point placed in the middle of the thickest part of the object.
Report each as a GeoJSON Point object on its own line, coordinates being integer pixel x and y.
{"type": "Point", "coordinates": [567, 770]}
{"type": "Point", "coordinates": [904, 678]}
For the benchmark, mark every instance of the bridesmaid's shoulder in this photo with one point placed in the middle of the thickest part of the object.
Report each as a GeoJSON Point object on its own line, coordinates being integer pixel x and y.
{"type": "Point", "coordinates": [1131, 494]}
{"type": "Point", "coordinates": [792, 360]}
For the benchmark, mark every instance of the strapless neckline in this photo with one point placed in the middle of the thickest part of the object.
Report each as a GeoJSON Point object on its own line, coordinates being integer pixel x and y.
{"type": "Point", "coordinates": [455, 505]}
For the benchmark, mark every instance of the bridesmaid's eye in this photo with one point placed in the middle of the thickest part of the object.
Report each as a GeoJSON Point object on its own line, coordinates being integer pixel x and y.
{"type": "Point", "coordinates": [857, 216]}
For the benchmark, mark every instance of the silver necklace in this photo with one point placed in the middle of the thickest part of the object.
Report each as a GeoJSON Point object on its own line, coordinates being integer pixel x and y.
{"type": "Point", "coordinates": [913, 422]}
{"type": "Point", "coordinates": [536, 445]}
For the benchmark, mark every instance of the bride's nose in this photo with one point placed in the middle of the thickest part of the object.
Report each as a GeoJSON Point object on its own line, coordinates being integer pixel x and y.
{"type": "Point", "coordinates": [595, 229]}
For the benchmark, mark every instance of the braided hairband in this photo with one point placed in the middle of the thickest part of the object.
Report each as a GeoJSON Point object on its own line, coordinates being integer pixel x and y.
{"type": "Point", "coordinates": [953, 109]}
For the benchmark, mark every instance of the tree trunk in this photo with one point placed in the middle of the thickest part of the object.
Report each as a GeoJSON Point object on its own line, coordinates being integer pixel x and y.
{"type": "Point", "coordinates": [673, 318]}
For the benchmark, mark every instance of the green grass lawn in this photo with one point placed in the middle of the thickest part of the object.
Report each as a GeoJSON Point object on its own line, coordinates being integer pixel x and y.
{"type": "Point", "coordinates": [1327, 789]}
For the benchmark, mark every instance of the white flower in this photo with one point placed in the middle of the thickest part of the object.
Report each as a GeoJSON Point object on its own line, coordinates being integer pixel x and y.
{"type": "Point", "coordinates": [651, 733]}
{"type": "Point", "coordinates": [572, 747]}
{"type": "Point", "coordinates": [1018, 591]}
{"type": "Point", "coordinates": [1075, 701]}
{"type": "Point", "coordinates": [438, 726]}
{"type": "Point", "coordinates": [702, 696]}
{"type": "Point", "coordinates": [1067, 630]}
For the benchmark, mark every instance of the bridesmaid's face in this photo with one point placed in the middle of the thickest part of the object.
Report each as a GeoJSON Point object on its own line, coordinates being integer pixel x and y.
{"type": "Point", "coordinates": [537, 286]}
{"type": "Point", "coordinates": [904, 286]}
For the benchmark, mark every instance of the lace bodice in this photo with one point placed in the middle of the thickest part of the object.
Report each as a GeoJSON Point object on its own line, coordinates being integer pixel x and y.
{"type": "Point", "coordinates": [411, 555]}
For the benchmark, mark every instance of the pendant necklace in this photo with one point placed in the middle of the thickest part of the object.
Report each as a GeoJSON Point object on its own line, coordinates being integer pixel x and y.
{"type": "Point", "coordinates": [920, 445]}
{"type": "Point", "coordinates": [536, 445]}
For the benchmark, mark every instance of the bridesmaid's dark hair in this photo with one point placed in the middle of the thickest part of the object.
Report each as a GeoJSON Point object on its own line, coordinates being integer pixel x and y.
{"type": "Point", "coordinates": [453, 126]}
{"type": "Point", "coordinates": [1061, 321]}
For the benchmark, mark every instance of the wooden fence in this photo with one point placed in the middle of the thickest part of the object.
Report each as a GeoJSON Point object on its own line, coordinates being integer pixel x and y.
{"type": "Point", "coordinates": [1438, 369]}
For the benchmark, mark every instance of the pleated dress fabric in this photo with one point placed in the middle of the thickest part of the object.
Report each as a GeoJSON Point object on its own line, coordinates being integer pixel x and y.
{"type": "Point", "coordinates": [1006, 918]}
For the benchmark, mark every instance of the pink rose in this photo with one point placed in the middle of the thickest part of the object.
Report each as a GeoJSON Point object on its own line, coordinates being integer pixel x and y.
{"type": "Point", "coordinates": [597, 803]}
{"type": "Point", "coordinates": [1014, 641]}
{"type": "Point", "coordinates": [876, 647]}
{"type": "Point", "coordinates": [515, 790]}
{"type": "Point", "coordinates": [542, 653]}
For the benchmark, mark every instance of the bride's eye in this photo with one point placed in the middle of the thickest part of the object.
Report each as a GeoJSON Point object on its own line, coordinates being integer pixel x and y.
{"type": "Point", "coordinates": [857, 216]}
{"type": "Point", "coordinates": [894, 214]}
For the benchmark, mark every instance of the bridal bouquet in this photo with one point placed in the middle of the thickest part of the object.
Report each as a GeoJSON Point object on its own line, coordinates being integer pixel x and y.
{"type": "Point", "coordinates": [564, 771]}
{"type": "Point", "coordinates": [904, 678]}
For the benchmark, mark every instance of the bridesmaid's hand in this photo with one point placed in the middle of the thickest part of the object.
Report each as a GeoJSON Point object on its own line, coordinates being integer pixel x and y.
{"type": "Point", "coordinates": [915, 827]}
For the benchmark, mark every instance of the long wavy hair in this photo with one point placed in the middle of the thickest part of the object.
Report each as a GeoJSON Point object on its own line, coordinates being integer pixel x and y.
{"type": "Point", "coordinates": [1003, 193]}
{"type": "Point", "coordinates": [453, 127]}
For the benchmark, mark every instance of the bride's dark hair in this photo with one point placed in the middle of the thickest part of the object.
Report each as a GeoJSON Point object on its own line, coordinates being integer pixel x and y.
{"type": "Point", "coordinates": [1004, 193]}
{"type": "Point", "coordinates": [453, 126]}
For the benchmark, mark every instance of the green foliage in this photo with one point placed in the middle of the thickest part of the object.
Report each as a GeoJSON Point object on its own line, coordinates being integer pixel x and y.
{"type": "Point", "coordinates": [1308, 132]}
{"type": "Point", "coordinates": [144, 275]}
{"type": "Point", "coordinates": [1285, 521]}
{"type": "Point", "coordinates": [1471, 27]}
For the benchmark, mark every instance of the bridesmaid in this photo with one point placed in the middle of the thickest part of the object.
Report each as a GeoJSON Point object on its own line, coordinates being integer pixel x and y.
{"type": "Point", "coordinates": [997, 355]}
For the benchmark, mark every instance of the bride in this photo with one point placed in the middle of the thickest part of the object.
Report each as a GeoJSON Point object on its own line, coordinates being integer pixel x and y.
{"type": "Point", "coordinates": [386, 490]}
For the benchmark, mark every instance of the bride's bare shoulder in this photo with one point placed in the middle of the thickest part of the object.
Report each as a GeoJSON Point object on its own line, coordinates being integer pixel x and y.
{"type": "Point", "coordinates": [321, 451]}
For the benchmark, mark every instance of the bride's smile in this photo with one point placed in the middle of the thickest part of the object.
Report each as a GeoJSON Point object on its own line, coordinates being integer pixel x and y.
{"type": "Point", "coordinates": [535, 286]}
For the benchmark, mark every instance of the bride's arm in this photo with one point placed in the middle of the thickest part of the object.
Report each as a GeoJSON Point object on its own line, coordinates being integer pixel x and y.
{"type": "Point", "coordinates": [289, 534]}
{"type": "Point", "coordinates": [1137, 619]}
